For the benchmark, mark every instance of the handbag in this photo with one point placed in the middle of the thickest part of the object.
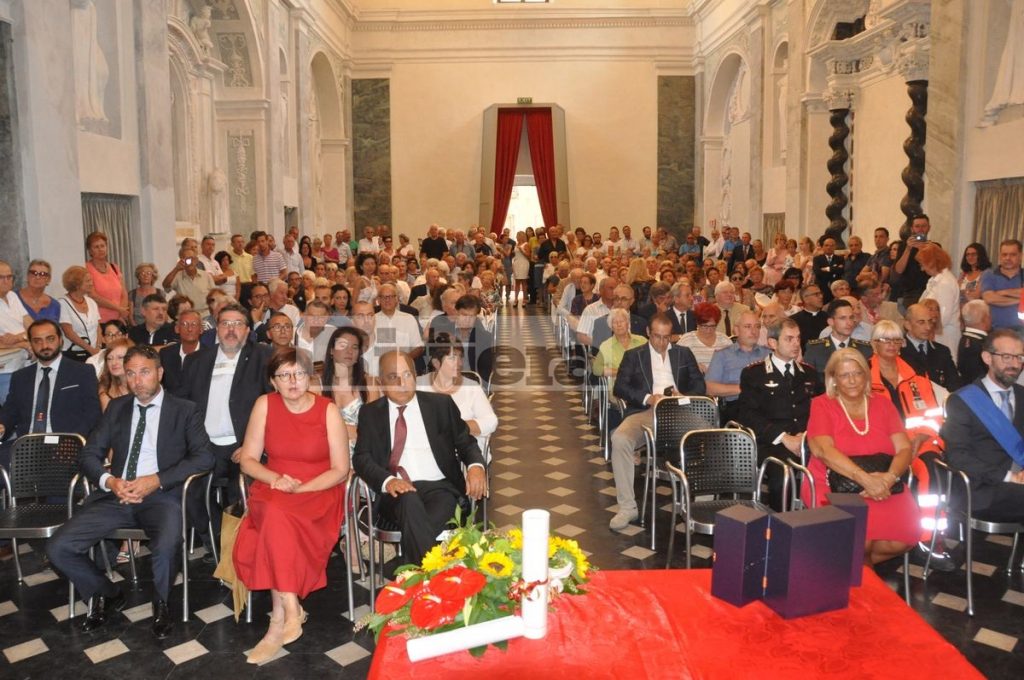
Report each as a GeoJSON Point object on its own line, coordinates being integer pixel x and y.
{"type": "Point", "coordinates": [875, 462]}
{"type": "Point", "coordinates": [231, 519]}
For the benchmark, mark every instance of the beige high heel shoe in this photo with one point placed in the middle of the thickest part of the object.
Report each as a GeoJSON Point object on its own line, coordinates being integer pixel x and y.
{"type": "Point", "coordinates": [293, 628]}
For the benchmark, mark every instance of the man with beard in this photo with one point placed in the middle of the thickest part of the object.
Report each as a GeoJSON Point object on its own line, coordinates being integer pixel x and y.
{"type": "Point", "coordinates": [984, 423]}
{"type": "Point", "coordinates": [51, 395]}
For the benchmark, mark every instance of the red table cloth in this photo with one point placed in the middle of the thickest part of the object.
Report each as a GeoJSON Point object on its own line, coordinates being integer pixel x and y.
{"type": "Point", "coordinates": [666, 624]}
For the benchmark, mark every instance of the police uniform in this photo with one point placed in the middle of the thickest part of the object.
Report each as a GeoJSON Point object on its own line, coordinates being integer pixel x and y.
{"type": "Point", "coordinates": [772, 405]}
{"type": "Point", "coordinates": [820, 350]}
{"type": "Point", "coordinates": [726, 366]}
{"type": "Point", "coordinates": [936, 362]}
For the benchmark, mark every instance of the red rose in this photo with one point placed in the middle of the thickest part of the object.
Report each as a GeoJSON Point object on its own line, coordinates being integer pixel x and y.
{"type": "Point", "coordinates": [457, 583]}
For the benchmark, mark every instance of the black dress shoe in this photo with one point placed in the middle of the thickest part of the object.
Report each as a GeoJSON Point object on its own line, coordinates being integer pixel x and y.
{"type": "Point", "coordinates": [940, 561]}
{"type": "Point", "coordinates": [162, 621]}
{"type": "Point", "coordinates": [102, 609]}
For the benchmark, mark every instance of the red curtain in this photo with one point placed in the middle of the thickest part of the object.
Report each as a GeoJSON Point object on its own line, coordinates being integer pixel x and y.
{"type": "Point", "coordinates": [510, 128]}
{"type": "Point", "coordinates": [542, 151]}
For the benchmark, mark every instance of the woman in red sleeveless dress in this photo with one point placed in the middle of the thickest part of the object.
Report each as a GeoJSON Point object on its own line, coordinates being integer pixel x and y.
{"type": "Point", "coordinates": [296, 504]}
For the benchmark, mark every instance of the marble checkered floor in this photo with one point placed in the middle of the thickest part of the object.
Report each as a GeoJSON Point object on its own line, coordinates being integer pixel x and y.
{"type": "Point", "coordinates": [545, 455]}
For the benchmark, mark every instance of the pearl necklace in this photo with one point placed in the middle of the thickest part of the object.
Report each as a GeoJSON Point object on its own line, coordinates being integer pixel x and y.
{"type": "Point", "coordinates": [867, 423]}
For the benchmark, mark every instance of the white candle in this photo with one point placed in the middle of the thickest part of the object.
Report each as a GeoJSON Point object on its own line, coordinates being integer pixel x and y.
{"type": "Point", "coordinates": [460, 639]}
{"type": "Point", "coordinates": [535, 570]}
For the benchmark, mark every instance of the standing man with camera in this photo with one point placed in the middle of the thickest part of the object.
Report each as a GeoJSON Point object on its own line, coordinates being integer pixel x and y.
{"type": "Point", "coordinates": [909, 278]}
{"type": "Point", "coordinates": [186, 278]}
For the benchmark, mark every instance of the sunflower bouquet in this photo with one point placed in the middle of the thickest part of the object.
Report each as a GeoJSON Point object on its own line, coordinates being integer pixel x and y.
{"type": "Point", "coordinates": [474, 575]}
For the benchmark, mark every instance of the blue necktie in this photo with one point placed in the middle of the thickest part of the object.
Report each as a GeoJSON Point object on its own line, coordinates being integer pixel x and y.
{"type": "Point", "coordinates": [131, 469]}
{"type": "Point", "coordinates": [1005, 406]}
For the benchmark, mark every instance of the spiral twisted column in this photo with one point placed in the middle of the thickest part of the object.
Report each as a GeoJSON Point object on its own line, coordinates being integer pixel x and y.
{"type": "Point", "coordinates": [913, 147]}
{"type": "Point", "coordinates": [839, 104]}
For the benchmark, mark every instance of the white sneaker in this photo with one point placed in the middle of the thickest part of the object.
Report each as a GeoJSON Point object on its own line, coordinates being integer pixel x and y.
{"type": "Point", "coordinates": [622, 519]}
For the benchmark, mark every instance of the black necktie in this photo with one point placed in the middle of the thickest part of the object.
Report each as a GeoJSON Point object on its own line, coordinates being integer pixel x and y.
{"type": "Point", "coordinates": [728, 325]}
{"type": "Point", "coordinates": [789, 371]}
{"type": "Point", "coordinates": [924, 348]}
{"type": "Point", "coordinates": [682, 321]}
{"type": "Point", "coordinates": [842, 345]}
{"type": "Point", "coordinates": [133, 454]}
{"type": "Point", "coordinates": [42, 402]}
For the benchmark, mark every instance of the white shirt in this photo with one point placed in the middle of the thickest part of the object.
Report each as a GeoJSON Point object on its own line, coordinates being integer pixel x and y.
{"type": "Point", "coordinates": [55, 366]}
{"type": "Point", "coordinates": [210, 265]}
{"type": "Point", "coordinates": [367, 245]}
{"type": "Point", "coordinates": [399, 329]}
{"type": "Point", "coordinates": [944, 289]}
{"type": "Point", "coordinates": [12, 320]}
{"type": "Point", "coordinates": [148, 462]}
{"type": "Point", "coordinates": [417, 457]}
{"type": "Point", "coordinates": [591, 313]}
{"type": "Point", "coordinates": [292, 261]}
{"type": "Point", "coordinates": [473, 405]}
{"type": "Point", "coordinates": [661, 371]}
{"type": "Point", "coordinates": [218, 414]}
{"type": "Point", "coordinates": [85, 325]}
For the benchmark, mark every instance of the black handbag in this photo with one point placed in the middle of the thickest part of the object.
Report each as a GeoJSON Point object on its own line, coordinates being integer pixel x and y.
{"type": "Point", "coordinates": [875, 462]}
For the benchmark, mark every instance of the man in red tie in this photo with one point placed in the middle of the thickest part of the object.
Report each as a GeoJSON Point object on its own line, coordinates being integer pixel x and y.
{"type": "Point", "coordinates": [410, 448]}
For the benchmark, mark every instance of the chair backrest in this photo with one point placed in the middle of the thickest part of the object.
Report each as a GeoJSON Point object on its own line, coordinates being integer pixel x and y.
{"type": "Point", "coordinates": [675, 417]}
{"type": "Point", "coordinates": [44, 464]}
{"type": "Point", "coordinates": [719, 461]}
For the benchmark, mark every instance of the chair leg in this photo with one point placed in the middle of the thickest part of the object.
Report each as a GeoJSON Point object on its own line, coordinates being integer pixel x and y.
{"type": "Point", "coordinates": [689, 541]}
{"type": "Point", "coordinates": [71, 600]}
{"type": "Point", "coordinates": [131, 563]}
{"type": "Point", "coordinates": [906, 577]}
{"type": "Point", "coordinates": [672, 526]}
{"type": "Point", "coordinates": [348, 571]}
{"type": "Point", "coordinates": [17, 558]}
{"type": "Point", "coordinates": [1013, 553]}
{"type": "Point", "coordinates": [970, 570]}
{"type": "Point", "coordinates": [184, 586]}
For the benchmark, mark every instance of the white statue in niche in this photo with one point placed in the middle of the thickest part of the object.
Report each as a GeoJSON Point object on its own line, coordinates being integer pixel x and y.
{"type": "Point", "coordinates": [220, 209]}
{"type": "Point", "coordinates": [282, 134]}
{"type": "Point", "coordinates": [316, 158]}
{"type": "Point", "coordinates": [90, 64]}
{"type": "Point", "coordinates": [1009, 85]}
{"type": "Point", "coordinates": [738, 99]}
{"type": "Point", "coordinates": [725, 176]}
{"type": "Point", "coordinates": [200, 25]}
{"type": "Point", "coordinates": [783, 95]}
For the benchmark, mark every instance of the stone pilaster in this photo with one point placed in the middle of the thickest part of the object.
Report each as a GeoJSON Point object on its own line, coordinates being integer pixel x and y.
{"type": "Point", "coordinates": [676, 138]}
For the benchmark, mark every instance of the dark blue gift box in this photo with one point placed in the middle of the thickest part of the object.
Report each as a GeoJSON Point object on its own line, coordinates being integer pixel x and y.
{"type": "Point", "coordinates": [799, 563]}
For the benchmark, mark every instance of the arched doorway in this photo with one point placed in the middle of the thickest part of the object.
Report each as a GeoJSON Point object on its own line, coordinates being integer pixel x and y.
{"type": "Point", "coordinates": [727, 145]}
{"type": "Point", "coordinates": [327, 201]}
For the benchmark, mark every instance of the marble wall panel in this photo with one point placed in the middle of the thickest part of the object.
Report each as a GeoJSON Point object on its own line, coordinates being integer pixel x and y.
{"type": "Point", "coordinates": [371, 151]}
{"type": "Point", "coordinates": [242, 180]}
{"type": "Point", "coordinates": [676, 153]}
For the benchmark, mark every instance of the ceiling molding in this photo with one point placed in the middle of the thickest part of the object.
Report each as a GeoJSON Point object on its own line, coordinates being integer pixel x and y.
{"type": "Point", "coordinates": [494, 19]}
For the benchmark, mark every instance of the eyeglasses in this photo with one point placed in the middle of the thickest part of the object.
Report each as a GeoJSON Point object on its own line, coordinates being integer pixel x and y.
{"type": "Point", "coordinates": [890, 341]}
{"type": "Point", "coordinates": [1019, 358]}
{"type": "Point", "coordinates": [190, 324]}
{"type": "Point", "coordinates": [38, 274]}
{"type": "Point", "coordinates": [281, 327]}
{"type": "Point", "coordinates": [6, 277]}
{"type": "Point", "coordinates": [115, 334]}
{"type": "Point", "coordinates": [707, 325]}
{"type": "Point", "coordinates": [295, 375]}
{"type": "Point", "coordinates": [848, 377]}
{"type": "Point", "coordinates": [232, 324]}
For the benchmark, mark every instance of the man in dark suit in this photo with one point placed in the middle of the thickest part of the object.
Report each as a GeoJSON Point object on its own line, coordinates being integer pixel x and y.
{"type": "Point", "coordinates": [997, 482]}
{"type": "Point", "coordinates": [646, 375]}
{"type": "Point", "coordinates": [224, 382]}
{"type": "Point", "coordinates": [742, 252]}
{"type": "Point", "coordinates": [775, 401]}
{"type": "Point", "coordinates": [812, 319]}
{"type": "Point", "coordinates": [158, 441]}
{"type": "Point", "coordinates": [188, 328]}
{"type": "Point", "coordinates": [828, 267]}
{"type": "Point", "coordinates": [55, 394]}
{"type": "Point", "coordinates": [681, 311]}
{"type": "Point", "coordinates": [410, 449]}
{"type": "Point", "coordinates": [977, 324]}
{"type": "Point", "coordinates": [925, 356]}
{"type": "Point", "coordinates": [660, 300]}
{"type": "Point", "coordinates": [466, 328]}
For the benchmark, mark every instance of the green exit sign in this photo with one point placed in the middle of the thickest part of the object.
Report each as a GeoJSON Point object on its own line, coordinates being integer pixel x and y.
{"type": "Point", "coordinates": [524, 100]}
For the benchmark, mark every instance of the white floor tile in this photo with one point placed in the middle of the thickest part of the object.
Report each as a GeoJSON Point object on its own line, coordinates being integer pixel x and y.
{"type": "Point", "coordinates": [44, 576]}
{"type": "Point", "coordinates": [215, 613]}
{"type": "Point", "coordinates": [185, 652]}
{"type": "Point", "coordinates": [347, 653]}
{"type": "Point", "coordinates": [105, 651]}
{"type": "Point", "coordinates": [25, 650]}
{"type": "Point", "coordinates": [996, 639]}
{"type": "Point", "coordinates": [61, 613]}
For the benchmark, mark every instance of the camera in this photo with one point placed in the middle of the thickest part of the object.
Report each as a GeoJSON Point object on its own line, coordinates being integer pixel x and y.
{"type": "Point", "coordinates": [668, 391]}
{"type": "Point", "coordinates": [920, 237]}
{"type": "Point", "coordinates": [188, 261]}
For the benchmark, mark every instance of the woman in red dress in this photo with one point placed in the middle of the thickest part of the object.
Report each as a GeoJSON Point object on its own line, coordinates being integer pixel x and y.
{"type": "Point", "coordinates": [849, 421]}
{"type": "Point", "coordinates": [296, 504]}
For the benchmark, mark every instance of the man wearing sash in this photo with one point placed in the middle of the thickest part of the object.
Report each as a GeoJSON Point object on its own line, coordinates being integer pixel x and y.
{"type": "Point", "coordinates": [983, 427]}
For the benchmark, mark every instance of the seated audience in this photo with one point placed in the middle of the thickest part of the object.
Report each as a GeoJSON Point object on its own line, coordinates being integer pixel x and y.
{"type": "Point", "coordinates": [723, 374]}
{"type": "Point", "coordinates": [977, 324]}
{"type": "Point", "coordinates": [706, 338]}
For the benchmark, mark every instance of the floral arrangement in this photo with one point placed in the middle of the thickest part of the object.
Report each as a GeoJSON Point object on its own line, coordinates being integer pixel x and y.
{"type": "Point", "coordinates": [474, 575]}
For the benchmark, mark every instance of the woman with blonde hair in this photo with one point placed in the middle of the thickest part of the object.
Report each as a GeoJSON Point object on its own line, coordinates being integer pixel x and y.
{"type": "Point", "coordinates": [855, 434]}
{"type": "Point", "coordinates": [776, 262]}
{"type": "Point", "coordinates": [640, 280]}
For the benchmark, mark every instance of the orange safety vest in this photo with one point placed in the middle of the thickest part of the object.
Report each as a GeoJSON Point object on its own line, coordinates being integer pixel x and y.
{"type": "Point", "coordinates": [922, 415]}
